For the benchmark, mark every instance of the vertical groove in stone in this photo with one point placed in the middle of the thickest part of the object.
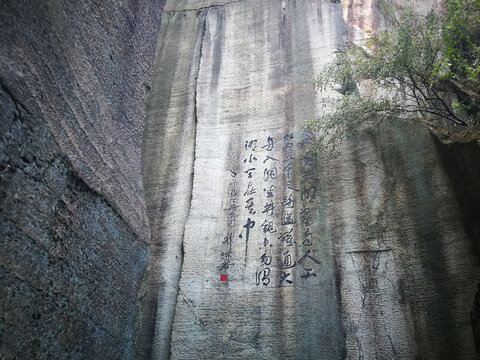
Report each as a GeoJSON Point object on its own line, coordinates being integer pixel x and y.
{"type": "Point", "coordinates": [254, 81]}
{"type": "Point", "coordinates": [168, 158]}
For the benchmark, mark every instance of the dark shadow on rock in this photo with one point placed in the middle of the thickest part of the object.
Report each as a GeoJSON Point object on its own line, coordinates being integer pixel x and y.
{"type": "Point", "coordinates": [461, 163]}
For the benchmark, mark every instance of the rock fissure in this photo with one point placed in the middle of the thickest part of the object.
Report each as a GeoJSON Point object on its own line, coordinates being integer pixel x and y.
{"type": "Point", "coordinates": [213, 6]}
{"type": "Point", "coordinates": [195, 126]}
{"type": "Point", "coordinates": [18, 105]}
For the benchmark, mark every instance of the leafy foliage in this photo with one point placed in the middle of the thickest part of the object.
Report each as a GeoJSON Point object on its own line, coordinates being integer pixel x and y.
{"type": "Point", "coordinates": [426, 66]}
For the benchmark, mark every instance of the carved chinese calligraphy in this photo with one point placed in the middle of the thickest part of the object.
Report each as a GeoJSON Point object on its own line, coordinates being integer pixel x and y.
{"type": "Point", "coordinates": [274, 211]}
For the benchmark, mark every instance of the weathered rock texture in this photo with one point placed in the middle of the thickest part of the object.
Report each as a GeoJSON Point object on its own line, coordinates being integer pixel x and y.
{"type": "Point", "coordinates": [379, 263]}
{"type": "Point", "coordinates": [367, 16]}
{"type": "Point", "coordinates": [74, 233]}
{"type": "Point", "coordinates": [256, 247]}
{"type": "Point", "coordinates": [461, 164]}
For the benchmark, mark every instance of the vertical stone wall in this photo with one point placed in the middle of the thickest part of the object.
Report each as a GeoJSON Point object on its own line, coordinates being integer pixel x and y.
{"type": "Point", "coordinates": [287, 253]}
{"type": "Point", "coordinates": [257, 247]}
{"type": "Point", "coordinates": [73, 227]}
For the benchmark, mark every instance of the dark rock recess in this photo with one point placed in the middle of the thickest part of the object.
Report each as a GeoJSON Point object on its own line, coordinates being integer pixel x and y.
{"type": "Point", "coordinates": [461, 163]}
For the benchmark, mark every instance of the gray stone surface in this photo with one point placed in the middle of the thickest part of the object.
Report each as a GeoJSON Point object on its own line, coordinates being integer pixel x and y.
{"type": "Point", "coordinates": [73, 227]}
{"type": "Point", "coordinates": [408, 270]}
{"type": "Point", "coordinates": [395, 271]}
{"type": "Point", "coordinates": [86, 66]}
{"type": "Point", "coordinates": [381, 263]}
{"type": "Point", "coordinates": [461, 164]}
{"type": "Point", "coordinates": [168, 153]}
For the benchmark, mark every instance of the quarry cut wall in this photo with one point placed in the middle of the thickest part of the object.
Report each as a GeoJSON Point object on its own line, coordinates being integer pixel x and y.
{"type": "Point", "coordinates": [239, 241]}
{"type": "Point", "coordinates": [262, 249]}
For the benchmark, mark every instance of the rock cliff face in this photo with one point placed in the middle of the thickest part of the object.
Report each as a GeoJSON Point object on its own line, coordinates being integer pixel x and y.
{"type": "Point", "coordinates": [286, 253]}
{"type": "Point", "coordinates": [241, 242]}
{"type": "Point", "coordinates": [74, 232]}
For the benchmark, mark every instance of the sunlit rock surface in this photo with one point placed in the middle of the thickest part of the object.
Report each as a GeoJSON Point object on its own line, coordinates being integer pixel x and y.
{"type": "Point", "coordinates": [365, 17]}
{"type": "Point", "coordinates": [259, 247]}
{"type": "Point", "coordinates": [364, 256]}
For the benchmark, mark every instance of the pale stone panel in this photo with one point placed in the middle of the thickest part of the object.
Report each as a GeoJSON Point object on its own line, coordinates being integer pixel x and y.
{"type": "Point", "coordinates": [376, 265]}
